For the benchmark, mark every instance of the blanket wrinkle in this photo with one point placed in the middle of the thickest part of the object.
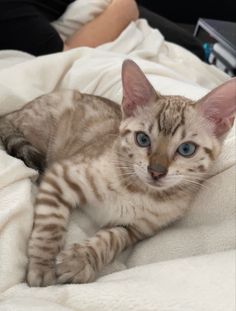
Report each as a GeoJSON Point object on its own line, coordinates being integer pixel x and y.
{"type": "Point", "coordinates": [188, 266]}
{"type": "Point", "coordinates": [203, 283]}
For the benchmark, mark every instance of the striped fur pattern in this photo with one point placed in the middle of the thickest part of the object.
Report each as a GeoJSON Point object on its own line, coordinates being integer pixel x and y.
{"type": "Point", "coordinates": [92, 160]}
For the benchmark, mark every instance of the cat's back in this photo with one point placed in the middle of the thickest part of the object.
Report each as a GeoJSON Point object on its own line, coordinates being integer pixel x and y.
{"type": "Point", "coordinates": [59, 103]}
{"type": "Point", "coordinates": [85, 122]}
{"type": "Point", "coordinates": [60, 123]}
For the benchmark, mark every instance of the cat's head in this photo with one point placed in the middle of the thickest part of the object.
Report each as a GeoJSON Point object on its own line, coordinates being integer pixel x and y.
{"type": "Point", "coordinates": [168, 141]}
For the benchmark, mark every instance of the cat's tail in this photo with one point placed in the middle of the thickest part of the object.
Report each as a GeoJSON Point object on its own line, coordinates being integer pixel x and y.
{"type": "Point", "coordinates": [17, 146]}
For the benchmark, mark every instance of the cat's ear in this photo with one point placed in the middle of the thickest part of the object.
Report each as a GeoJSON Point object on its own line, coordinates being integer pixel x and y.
{"type": "Point", "coordinates": [219, 107]}
{"type": "Point", "coordinates": [137, 90]}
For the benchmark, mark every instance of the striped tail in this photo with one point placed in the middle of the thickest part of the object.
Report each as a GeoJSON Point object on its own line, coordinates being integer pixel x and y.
{"type": "Point", "coordinates": [17, 146]}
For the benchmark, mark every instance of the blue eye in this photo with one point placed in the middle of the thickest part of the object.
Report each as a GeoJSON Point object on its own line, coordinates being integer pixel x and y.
{"type": "Point", "coordinates": [142, 140]}
{"type": "Point", "coordinates": [187, 149]}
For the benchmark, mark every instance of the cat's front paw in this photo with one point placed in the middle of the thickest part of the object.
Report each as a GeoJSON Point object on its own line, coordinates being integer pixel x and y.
{"type": "Point", "coordinates": [40, 273]}
{"type": "Point", "coordinates": [76, 265]}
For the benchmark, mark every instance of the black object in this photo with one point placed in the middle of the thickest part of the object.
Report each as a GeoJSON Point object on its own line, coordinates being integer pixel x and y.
{"type": "Point", "coordinates": [25, 25]}
{"type": "Point", "coordinates": [188, 12]}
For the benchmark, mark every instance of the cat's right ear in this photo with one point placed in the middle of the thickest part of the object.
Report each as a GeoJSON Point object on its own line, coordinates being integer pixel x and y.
{"type": "Point", "coordinates": [137, 90]}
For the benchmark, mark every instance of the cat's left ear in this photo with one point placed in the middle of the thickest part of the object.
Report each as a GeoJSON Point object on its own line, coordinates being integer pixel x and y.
{"type": "Point", "coordinates": [219, 107]}
{"type": "Point", "coordinates": [137, 90]}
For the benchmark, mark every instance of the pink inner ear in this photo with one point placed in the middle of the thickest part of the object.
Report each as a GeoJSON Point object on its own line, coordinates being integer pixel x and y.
{"type": "Point", "coordinates": [219, 106]}
{"type": "Point", "coordinates": [137, 90]}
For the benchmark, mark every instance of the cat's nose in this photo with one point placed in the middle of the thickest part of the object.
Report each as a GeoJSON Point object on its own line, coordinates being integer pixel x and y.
{"type": "Point", "coordinates": [157, 171]}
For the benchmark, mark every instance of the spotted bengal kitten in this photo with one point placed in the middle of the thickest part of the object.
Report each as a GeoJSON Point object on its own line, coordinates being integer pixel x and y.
{"type": "Point", "coordinates": [132, 169]}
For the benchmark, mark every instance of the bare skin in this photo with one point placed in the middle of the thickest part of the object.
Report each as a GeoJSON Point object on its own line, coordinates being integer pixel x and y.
{"type": "Point", "coordinates": [106, 27]}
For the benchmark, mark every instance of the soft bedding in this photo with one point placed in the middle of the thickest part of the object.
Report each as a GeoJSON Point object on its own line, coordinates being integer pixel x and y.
{"type": "Point", "coordinates": [188, 266]}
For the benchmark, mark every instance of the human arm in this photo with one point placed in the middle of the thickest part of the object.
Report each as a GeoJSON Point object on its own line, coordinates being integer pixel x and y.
{"type": "Point", "coordinates": [106, 27]}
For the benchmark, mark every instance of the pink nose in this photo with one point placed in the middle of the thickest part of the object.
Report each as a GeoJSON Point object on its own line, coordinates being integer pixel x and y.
{"type": "Point", "coordinates": [157, 171]}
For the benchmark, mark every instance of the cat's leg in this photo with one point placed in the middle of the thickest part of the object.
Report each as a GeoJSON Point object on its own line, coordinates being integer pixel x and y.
{"type": "Point", "coordinates": [58, 195]}
{"type": "Point", "coordinates": [81, 262]}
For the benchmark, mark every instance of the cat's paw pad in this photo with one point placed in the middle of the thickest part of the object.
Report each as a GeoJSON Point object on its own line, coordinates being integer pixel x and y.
{"type": "Point", "coordinates": [40, 274]}
{"type": "Point", "coordinates": [76, 265]}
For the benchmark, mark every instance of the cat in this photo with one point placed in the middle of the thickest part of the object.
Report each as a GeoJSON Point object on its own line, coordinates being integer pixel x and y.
{"type": "Point", "coordinates": [133, 169]}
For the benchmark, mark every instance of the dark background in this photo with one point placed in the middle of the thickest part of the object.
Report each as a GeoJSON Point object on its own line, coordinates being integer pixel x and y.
{"type": "Point", "coordinates": [188, 12]}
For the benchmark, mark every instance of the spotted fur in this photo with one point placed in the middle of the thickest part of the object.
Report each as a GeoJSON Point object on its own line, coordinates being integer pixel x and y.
{"type": "Point", "coordinates": [87, 145]}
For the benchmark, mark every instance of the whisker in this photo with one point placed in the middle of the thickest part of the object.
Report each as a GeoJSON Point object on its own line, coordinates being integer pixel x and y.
{"type": "Point", "coordinates": [195, 183]}
{"type": "Point", "coordinates": [126, 174]}
{"type": "Point", "coordinates": [123, 160]}
{"type": "Point", "coordinates": [124, 178]}
{"type": "Point", "coordinates": [210, 183]}
{"type": "Point", "coordinates": [205, 180]}
{"type": "Point", "coordinates": [122, 166]}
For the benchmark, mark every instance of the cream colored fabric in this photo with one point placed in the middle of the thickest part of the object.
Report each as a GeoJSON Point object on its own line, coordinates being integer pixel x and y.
{"type": "Point", "coordinates": [201, 283]}
{"type": "Point", "coordinates": [209, 227]}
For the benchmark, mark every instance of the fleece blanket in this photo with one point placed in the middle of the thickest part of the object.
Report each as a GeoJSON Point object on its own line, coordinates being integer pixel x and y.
{"type": "Point", "coordinates": [188, 266]}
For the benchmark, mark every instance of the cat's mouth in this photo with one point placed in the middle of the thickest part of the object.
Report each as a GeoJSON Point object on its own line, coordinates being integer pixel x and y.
{"type": "Point", "coordinates": [162, 183]}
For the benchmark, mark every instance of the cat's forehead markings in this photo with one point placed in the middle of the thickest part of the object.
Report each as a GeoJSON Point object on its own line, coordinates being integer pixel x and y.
{"type": "Point", "coordinates": [167, 115]}
{"type": "Point", "coordinates": [150, 128]}
{"type": "Point", "coordinates": [158, 115]}
{"type": "Point", "coordinates": [172, 118]}
{"type": "Point", "coordinates": [183, 134]}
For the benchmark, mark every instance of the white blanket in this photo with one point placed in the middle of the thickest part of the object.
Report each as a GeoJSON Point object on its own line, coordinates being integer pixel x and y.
{"type": "Point", "coordinates": [193, 283]}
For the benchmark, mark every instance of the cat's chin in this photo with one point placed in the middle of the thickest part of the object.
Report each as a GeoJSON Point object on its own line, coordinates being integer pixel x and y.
{"type": "Point", "coordinates": [160, 184]}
